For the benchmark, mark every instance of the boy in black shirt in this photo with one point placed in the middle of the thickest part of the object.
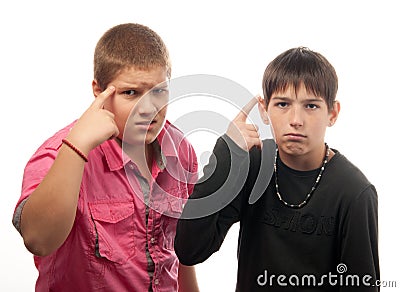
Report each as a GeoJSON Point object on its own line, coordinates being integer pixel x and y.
{"type": "Point", "coordinates": [314, 227]}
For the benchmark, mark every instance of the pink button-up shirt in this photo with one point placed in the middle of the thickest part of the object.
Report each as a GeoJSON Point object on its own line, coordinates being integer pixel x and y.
{"type": "Point", "coordinates": [117, 243]}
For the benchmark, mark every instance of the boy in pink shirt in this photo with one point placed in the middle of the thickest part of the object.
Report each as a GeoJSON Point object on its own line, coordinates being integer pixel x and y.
{"type": "Point", "coordinates": [100, 199]}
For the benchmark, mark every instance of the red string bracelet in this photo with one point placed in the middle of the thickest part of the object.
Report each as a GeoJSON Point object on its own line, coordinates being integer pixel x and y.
{"type": "Point", "coordinates": [77, 151]}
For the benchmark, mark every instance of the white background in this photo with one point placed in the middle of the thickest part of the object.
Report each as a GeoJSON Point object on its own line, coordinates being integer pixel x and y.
{"type": "Point", "coordinates": [46, 73]}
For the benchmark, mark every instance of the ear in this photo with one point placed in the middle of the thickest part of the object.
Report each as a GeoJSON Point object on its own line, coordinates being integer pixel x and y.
{"type": "Point", "coordinates": [334, 113]}
{"type": "Point", "coordinates": [96, 88]}
{"type": "Point", "coordinates": [262, 109]}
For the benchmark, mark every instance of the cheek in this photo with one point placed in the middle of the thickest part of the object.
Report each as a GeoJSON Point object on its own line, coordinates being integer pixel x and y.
{"type": "Point", "coordinates": [113, 104]}
{"type": "Point", "coordinates": [317, 129]}
{"type": "Point", "coordinates": [274, 122]}
{"type": "Point", "coordinates": [123, 114]}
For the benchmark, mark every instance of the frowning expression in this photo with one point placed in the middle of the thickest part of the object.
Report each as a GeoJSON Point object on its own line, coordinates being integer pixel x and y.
{"type": "Point", "coordinates": [299, 120]}
{"type": "Point", "coordinates": [139, 104]}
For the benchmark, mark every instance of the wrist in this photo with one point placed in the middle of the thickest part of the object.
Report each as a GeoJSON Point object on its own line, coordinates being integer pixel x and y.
{"type": "Point", "coordinates": [75, 149]}
{"type": "Point", "coordinates": [80, 141]}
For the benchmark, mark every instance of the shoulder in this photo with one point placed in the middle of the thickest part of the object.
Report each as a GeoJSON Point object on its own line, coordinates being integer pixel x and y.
{"type": "Point", "coordinates": [54, 142]}
{"type": "Point", "coordinates": [347, 178]}
{"type": "Point", "coordinates": [43, 158]}
{"type": "Point", "coordinates": [41, 161]}
{"type": "Point", "coordinates": [343, 168]}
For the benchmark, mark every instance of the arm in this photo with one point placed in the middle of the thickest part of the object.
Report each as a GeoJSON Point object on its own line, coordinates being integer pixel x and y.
{"type": "Point", "coordinates": [187, 280]}
{"type": "Point", "coordinates": [216, 201]}
{"type": "Point", "coordinates": [204, 224]}
{"type": "Point", "coordinates": [49, 213]}
{"type": "Point", "coordinates": [360, 240]}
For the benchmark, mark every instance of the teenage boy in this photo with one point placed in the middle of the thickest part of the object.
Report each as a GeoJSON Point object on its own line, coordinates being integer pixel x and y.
{"type": "Point", "coordinates": [96, 208]}
{"type": "Point", "coordinates": [315, 228]}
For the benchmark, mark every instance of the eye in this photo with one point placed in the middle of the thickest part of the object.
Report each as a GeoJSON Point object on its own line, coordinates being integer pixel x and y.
{"type": "Point", "coordinates": [312, 106]}
{"type": "Point", "coordinates": [160, 91]}
{"type": "Point", "coordinates": [130, 92]}
{"type": "Point", "coordinates": [282, 104]}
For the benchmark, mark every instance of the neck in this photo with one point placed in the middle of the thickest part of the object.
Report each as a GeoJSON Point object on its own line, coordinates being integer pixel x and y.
{"type": "Point", "coordinates": [308, 195]}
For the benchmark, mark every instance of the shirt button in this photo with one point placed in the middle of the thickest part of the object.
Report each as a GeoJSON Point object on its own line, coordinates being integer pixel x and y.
{"type": "Point", "coordinates": [131, 166]}
{"type": "Point", "coordinates": [152, 240]}
{"type": "Point", "coordinates": [156, 281]}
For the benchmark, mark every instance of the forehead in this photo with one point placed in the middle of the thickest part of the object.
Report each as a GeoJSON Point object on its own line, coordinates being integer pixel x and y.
{"type": "Point", "coordinates": [296, 92]}
{"type": "Point", "coordinates": [148, 77]}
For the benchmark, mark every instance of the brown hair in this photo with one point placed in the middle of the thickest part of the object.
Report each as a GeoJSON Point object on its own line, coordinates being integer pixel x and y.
{"type": "Point", "coordinates": [301, 66]}
{"type": "Point", "coordinates": [128, 45]}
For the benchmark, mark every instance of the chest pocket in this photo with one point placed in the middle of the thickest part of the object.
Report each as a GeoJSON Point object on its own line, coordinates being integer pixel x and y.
{"type": "Point", "coordinates": [114, 230]}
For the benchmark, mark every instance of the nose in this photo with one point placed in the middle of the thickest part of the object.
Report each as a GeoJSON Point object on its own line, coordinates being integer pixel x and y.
{"type": "Point", "coordinates": [146, 106]}
{"type": "Point", "coordinates": [296, 117]}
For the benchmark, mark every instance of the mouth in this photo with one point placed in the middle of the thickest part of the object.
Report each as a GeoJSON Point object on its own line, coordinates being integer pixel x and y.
{"type": "Point", "coordinates": [295, 136]}
{"type": "Point", "coordinates": [145, 125]}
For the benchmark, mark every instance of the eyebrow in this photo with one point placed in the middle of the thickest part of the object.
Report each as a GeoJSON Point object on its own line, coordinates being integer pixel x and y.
{"type": "Point", "coordinates": [283, 98]}
{"type": "Point", "coordinates": [140, 85]}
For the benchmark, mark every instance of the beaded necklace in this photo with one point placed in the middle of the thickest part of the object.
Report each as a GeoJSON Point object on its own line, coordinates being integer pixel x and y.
{"type": "Point", "coordinates": [308, 196]}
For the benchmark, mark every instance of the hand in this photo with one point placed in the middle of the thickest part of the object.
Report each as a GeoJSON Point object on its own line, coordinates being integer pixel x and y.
{"type": "Point", "coordinates": [245, 135]}
{"type": "Point", "coordinates": [95, 126]}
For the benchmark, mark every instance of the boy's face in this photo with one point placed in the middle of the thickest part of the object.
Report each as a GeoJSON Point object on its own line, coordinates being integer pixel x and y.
{"type": "Point", "coordinates": [299, 120]}
{"type": "Point", "coordinates": [139, 104]}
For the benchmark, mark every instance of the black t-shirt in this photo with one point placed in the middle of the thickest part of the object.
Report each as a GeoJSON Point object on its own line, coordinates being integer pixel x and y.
{"type": "Point", "coordinates": [330, 244]}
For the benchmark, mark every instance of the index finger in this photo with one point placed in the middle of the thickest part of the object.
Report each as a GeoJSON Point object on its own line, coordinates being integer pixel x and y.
{"type": "Point", "coordinates": [102, 97]}
{"type": "Point", "coordinates": [248, 107]}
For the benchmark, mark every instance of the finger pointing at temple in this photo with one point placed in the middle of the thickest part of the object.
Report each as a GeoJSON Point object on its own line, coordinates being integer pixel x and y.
{"type": "Point", "coordinates": [245, 135]}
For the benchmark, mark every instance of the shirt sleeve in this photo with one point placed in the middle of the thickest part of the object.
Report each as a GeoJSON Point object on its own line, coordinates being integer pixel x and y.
{"type": "Point", "coordinates": [35, 170]}
{"type": "Point", "coordinates": [204, 225]}
{"type": "Point", "coordinates": [359, 252]}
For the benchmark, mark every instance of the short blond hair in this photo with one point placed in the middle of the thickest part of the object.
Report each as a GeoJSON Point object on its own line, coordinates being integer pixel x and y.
{"type": "Point", "coordinates": [128, 45]}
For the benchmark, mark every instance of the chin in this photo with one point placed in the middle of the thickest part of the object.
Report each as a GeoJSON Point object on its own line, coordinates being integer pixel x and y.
{"type": "Point", "coordinates": [294, 148]}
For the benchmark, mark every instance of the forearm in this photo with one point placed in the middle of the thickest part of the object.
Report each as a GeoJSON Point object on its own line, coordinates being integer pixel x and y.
{"type": "Point", "coordinates": [213, 206]}
{"type": "Point", "coordinates": [187, 279]}
{"type": "Point", "coordinates": [49, 213]}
